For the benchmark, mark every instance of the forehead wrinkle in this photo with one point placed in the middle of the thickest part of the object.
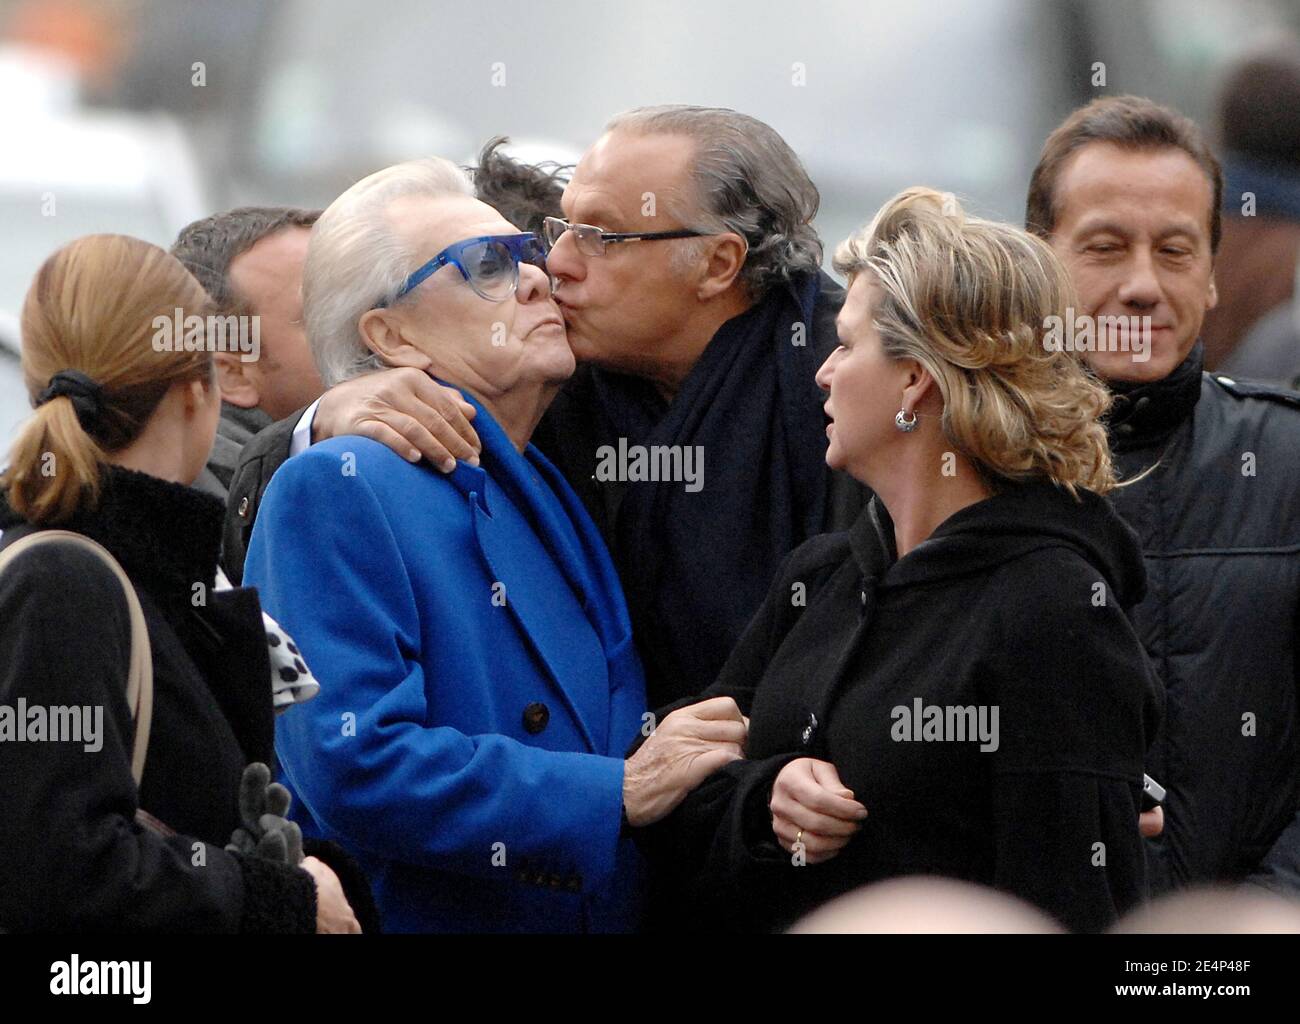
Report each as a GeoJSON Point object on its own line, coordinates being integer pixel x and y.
{"type": "Point", "coordinates": [1183, 227]}
{"type": "Point", "coordinates": [1156, 189]}
{"type": "Point", "coordinates": [1092, 224]}
{"type": "Point", "coordinates": [1108, 225]}
{"type": "Point", "coordinates": [593, 203]}
{"type": "Point", "coordinates": [586, 200]}
{"type": "Point", "coordinates": [427, 236]}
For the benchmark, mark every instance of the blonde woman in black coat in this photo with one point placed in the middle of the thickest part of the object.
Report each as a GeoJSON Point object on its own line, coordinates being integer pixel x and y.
{"type": "Point", "coordinates": [951, 687]}
{"type": "Point", "coordinates": [124, 419]}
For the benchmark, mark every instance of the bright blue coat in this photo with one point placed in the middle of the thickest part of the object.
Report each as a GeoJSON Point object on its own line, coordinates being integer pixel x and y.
{"type": "Point", "coordinates": [447, 617]}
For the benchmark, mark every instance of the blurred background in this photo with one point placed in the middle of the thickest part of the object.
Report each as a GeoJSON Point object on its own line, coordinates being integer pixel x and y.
{"type": "Point", "coordinates": [139, 116]}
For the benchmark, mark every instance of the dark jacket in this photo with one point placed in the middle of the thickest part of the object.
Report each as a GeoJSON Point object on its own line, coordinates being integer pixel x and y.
{"type": "Point", "coordinates": [234, 430]}
{"type": "Point", "coordinates": [71, 857]}
{"type": "Point", "coordinates": [1014, 603]}
{"type": "Point", "coordinates": [694, 566]}
{"type": "Point", "coordinates": [1219, 522]}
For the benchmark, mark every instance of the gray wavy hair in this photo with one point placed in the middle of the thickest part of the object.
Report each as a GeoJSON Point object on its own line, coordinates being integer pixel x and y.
{"type": "Point", "coordinates": [356, 260]}
{"type": "Point", "coordinates": [749, 181]}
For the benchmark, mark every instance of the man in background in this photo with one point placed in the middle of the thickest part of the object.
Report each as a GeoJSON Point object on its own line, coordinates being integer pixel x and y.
{"type": "Point", "coordinates": [1128, 195]}
{"type": "Point", "coordinates": [1255, 330]}
{"type": "Point", "coordinates": [249, 261]}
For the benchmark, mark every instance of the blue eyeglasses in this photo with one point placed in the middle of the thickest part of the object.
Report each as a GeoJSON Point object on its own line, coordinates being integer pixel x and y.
{"type": "Point", "coordinates": [489, 264]}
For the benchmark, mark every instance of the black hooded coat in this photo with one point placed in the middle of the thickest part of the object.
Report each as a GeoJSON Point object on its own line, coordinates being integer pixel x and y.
{"type": "Point", "coordinates": [984, 697]}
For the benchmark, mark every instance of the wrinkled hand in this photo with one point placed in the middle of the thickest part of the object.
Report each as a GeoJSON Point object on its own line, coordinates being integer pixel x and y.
{"type": "Point", "coordinates": [334, 914]}
{"type": "Point", "coordinates": [1151, 823]}
{"type": "Point", "coordinates": [265, 832]}
{"type": "Point", "coordinates": [687, 747]}
{"type": "Point", "coordinates": [809, 797]}
{"type": "Point", "coordinates": [405, 409]}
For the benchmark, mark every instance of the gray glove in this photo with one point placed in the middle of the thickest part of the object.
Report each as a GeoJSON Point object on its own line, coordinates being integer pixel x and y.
{"type": "Point", "coordinates": [265, 832]}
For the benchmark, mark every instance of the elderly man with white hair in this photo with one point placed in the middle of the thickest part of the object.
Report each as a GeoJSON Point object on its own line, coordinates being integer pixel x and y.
{"type": "Point", "coordinates": [687, 270]}
{"type": "Point", "coordinates": [479, 684]}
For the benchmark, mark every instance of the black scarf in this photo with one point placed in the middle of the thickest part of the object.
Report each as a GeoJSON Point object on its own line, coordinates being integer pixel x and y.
{"type": "Point", "coordinates": [1147, 413]}
{"type": "Point", "coordinates": [696, 566]}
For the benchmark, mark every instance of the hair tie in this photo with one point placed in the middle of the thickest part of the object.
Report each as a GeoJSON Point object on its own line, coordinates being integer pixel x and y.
{"type": "Point", "coordinates": [86, 394]}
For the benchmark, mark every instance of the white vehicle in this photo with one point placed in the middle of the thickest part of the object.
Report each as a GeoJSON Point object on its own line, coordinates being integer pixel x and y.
{"type": "Point", "coordinates": [67, 172]}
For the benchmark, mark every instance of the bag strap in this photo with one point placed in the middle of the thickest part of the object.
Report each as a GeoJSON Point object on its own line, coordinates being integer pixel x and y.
{"type": "Point", "coordinates": [139, 680]}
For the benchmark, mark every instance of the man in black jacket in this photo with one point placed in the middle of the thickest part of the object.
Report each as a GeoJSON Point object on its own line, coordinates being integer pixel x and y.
{"type": "Point", "coordinates": [688, 273]}
{"type": "Point", "coordinates": [1128, 195]}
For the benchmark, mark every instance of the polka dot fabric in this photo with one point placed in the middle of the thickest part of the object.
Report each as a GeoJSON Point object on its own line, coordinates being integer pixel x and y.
{"type": "Point", "coordinates": [291, 679]}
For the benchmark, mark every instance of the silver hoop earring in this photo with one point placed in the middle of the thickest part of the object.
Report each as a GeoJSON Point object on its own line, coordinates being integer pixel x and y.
{"type": "Point", "coordinates": [903, 423]}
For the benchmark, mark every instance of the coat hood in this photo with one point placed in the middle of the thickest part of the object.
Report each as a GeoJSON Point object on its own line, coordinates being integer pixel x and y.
{"type": "Point", "coordinates": [1019, 519]}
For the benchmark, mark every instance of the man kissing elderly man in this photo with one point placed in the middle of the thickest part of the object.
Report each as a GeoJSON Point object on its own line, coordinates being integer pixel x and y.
{"type": "Point", "coordinates": [482, 686]}
{"type": "Point", "coordinates": [485, 684]}
{"type": "Point", "coordinates": [688, 275]}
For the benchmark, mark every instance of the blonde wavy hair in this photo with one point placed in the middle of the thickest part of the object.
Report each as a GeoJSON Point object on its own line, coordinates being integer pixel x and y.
{"type": "Point", "coordinates": [969, 299]}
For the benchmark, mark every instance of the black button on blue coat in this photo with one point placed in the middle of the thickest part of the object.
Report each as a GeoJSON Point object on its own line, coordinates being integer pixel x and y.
{"type": "Point", "coordinates": [536, 715]}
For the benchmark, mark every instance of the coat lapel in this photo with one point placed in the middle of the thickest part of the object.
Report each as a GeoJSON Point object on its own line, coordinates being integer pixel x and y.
{"type": "Point", "coordinates": [578, 672]}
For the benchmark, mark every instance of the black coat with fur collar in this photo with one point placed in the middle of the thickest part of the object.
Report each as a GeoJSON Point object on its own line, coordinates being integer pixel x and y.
{"type": "Point", "coordinates": [71, 857]}
{"type": "Point", "coordinates": [1014, 604]}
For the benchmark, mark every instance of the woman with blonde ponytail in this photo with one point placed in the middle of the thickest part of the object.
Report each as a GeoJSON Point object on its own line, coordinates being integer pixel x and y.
{"type": "Point", "coordinates": [124, 416]}
{"type": "Point", "coordinates": [95, 375]}
{"type": "Point", "coordinates": [952, 687]}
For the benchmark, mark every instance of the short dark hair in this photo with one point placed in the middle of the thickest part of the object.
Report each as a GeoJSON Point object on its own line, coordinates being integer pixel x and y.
{"type": "Point", "coordinates": [208, 246]}
{"type": "Point", "coordinates": [1130, 122]}
{"type": "Point", "coordinates": [524, 194]}
{"type": "Point", "coordinates": [1259, 106]}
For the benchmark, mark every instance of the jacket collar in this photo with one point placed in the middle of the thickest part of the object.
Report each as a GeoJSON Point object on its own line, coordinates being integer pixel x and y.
{"type": "Point", "coordinates": [240, 424]}
{"type": "Point", "coordinates": [1019, 518]}
{"type": "Point", "coordinates": [562, 525]}
{"type": "Point", "coordinates": [871, 539]}
{"type": "Point", "coordinates": [1148, 413]}
{"type": "Point", "coordinates": [534, 485]}
{"type": "Point", "coordinates": [166, 536]}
